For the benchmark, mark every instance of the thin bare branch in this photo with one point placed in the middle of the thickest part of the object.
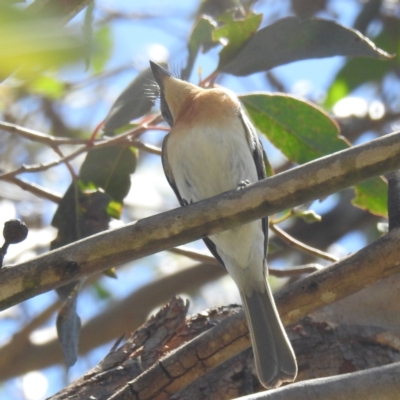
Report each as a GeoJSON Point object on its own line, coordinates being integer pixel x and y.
{"type": "Point", "coordinates": [281, 273]}
{"type": "Point", "coordinates": [43, 167]}
{"type": "Point", "coordinates": [124, 139]}
{"type": "Point", "coordinates": [300, 245]}
{"type": "Point", "coordinates": [194, 255]}
{"type": "Point", "coordinates": [39, 137]}
{"type": "Point", "coordinates": [294, 271]}
{"type": "Point", "coordinates": [35, 189]}
{"type": "Point", "coordinates": [147, 147]}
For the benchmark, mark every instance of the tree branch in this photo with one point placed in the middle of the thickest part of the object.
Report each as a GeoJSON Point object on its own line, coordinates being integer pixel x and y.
{"type": "Point", "coordinates": [375, 383]}
{"type": "Point", "coordinates": [228, 210]}
{"type": "Point", "coordinates": [300, 245]}
{"type": "Point", "coordinates": [294, 302]}
{"type": "Point", "coordinates": [109, 324]}
{"type": "Point", "coordinates": [35, 189]}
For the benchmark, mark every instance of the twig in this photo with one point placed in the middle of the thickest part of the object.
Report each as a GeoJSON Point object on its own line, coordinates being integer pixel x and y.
{"type": "Point", "coordinates": [301, 246]}
{"type": "Point", "coordinates": [284, 217]}
{"type": "Point", "coordinates": [194, 255]}
{"type": "Point", "coordinates": [209, 80]}
{"type": "Point", "coordinates": [294, 271]}
{"type": "Point", "coordinates": [39, 137]}
{"type": "Point", "coordinates": [67, 164]}
{"type": "Point", "coordinates": [35, 189]}
{"type": "Point", "coordinates": [147, 147]}
{"type": "Point", "coordinates": [43, 167]}
{"type": "Point", "coordinates": [156, 127]}
{"type": "Point", "coordinates": [278, 272]}
{"type": "Point", "coordinates": [125, 139]}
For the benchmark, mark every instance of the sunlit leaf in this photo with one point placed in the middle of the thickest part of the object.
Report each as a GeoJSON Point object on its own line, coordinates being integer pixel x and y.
{"type": "Point", "coordinates": [114, 209]}
{"type": "Point", "coordinates": [103, 48]}
{"type": "Point", "coordinates": [291, 39]}
{"type": "Point", "coordinates": [33, 43]}
{"type": "Point", "coordinates": [303, 132]}
{"type": "Point", "coordinates": [358, 71]}
{"type": "Point", "coordinates": [201, 36]}
{"type": "Point", "coordinates": [237, 32]}
{"type": "Point", "coordinates": [47, 86]}
{"type": "Point", "coordinates": [111, 273]}
{"type": "Point", "coordinates": [372, 195]}
{"type": "Point", "coordinates": [308, 216]}
{"type": "Point", "coordinates": [300, 130]}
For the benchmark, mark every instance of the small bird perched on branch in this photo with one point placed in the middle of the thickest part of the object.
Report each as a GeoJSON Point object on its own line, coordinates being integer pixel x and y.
{"type": "Point", "coordinates": [212, 148]}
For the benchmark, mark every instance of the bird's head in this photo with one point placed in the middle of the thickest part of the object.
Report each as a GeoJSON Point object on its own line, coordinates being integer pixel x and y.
{"type": "Point", "coordinates": [174, 93]}
{"type": "Point", "coordinates": [182, 101]}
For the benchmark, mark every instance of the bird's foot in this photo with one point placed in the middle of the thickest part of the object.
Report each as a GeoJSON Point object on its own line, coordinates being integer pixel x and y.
{"type": "Point", "coordinates": [241, 185]}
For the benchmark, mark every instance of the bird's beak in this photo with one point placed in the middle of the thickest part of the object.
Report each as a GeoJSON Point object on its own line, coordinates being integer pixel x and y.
{"type": "Point", "coordinates": [159, 73]}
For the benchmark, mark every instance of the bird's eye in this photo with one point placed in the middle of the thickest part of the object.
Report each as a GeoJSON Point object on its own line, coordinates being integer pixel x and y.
{"type": "Point", "coordinates": [166, 113]}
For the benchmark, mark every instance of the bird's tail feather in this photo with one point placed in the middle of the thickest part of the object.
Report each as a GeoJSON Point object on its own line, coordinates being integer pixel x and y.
{"type": "Point", "coordinates": [273, 353]}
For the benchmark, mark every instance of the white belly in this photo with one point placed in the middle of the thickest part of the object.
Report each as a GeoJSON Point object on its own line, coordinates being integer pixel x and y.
{"type": "Point", "coordinates": [206, 163]}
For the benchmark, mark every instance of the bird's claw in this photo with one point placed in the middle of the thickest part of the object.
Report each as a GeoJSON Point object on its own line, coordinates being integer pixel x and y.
{"type": "Point", "coordinates": [243, 184]}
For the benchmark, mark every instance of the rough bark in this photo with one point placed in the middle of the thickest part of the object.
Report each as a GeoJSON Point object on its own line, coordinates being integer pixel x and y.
{"type": "Point", "coordinates": [181, 368]}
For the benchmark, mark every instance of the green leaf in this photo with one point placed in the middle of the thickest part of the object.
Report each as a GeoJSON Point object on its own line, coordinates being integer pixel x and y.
{"type": "Point", "coordinates": [371, 195]}
{"type": "Point", "coordinates": [304, 132]}
{"type": "Point", "coordinates": [101, 292]}
{"type": "Point", "coordinates": [201, 36]}
{"type": "Point", "coordinates": [359, 71]}
{"type": "Point", "coordinates": [291, 39]}
{"type": "Point", "coordinates": [114, 209]}
{"type": "Point", "coordinates": [237, 32]}
{"type": "Point", "coordinates": [103, 47]}
{"type": "Point", "coordinates": [35, 43]}
{"type": "Point", "coordinates": [47, 86]}
{"type": "Point", "coordinates": [109, 168]}
{"type": "Point", "coordinates": [81, 213]}
{"type": "Point", "coordinates": [308, 216]}
{"type": "Point", "coordinates": [286, 122]}
{"type": "Point", "coordinates": [355, 73]}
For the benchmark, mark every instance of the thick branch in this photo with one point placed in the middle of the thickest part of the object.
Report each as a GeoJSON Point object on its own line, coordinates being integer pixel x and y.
{"type": "Point", "coordinates": [294, 302]}
{"type": "Point", "coordinates": [120, 317]}
{"type": "Point", "coordinates": [375, 383]}
{"type": "Point", "coordinates": [150, 235]}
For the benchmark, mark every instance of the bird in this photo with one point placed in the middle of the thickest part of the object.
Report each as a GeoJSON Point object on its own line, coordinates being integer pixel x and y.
{"type": "Point", "coordinates": [212, 148]}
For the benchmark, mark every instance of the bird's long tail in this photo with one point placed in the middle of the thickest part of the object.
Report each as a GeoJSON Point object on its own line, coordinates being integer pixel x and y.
{"type": "Point", "coordinates": [274, 357]}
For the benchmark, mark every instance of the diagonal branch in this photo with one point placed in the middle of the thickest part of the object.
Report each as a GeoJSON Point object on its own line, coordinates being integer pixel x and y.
{"type": "Point", "coordinates": [375, 383]}
{"type": "Point", "coordinates": [163, 231]}
{"type": "Point", "coordinates": [177, 369]}
{"type": "Point", "coordinates": [300, 245]}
